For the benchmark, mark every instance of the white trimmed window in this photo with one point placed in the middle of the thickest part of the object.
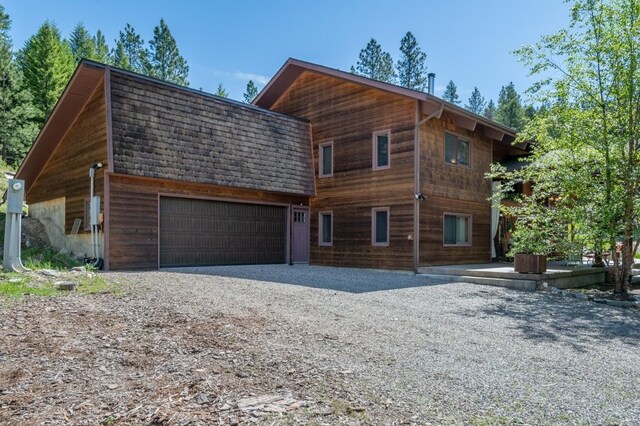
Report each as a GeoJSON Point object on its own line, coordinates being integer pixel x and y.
{"type": "Point", "coordinates": [325, 157]}
{"type": "Point", "coordinates": [325, 228]}
{"type": "Point", "coordinates": [380, 226]}
{"type": "Point", "coordinates": [381, 150]}
{"type": "Point", "coordinates": [456, 150]}
{"type": "Point", "coordinates": [457, 229]}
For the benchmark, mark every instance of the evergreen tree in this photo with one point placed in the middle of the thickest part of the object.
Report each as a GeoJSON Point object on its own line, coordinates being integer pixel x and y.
{"type": "Point", "coordinates": [222, 92]}
{"type": "Point", "coordinates": [490, 110]}
{"type": "Point", "coordinates": [251, 92]}
{"type": "Point", "coordinates": [119, 57]}
{"type": "Point", "coordinates": [165, 61]}
{"type": "Point", "coordinates": [530, 112]}
{"type": "Point", "coordinates": [374, 63]}
{"type": "Point", "coordinates": [451, 93]}
{"type": "Point", "coordinates": [101, 48]}
{"type": "Point", "coordinates": [81, 43]}
{"type": "Point", "coordinates": [47, 63]}
{"type": "Point", "coordinates": [509, 110]}
{"type": "Point", "coordinates": [411, 67]}
{"type": "Point", "coordinates": [477, 103]}
{"type": "Point", "coordinates": [17, 129]}
{"type": "Point", "coordinates": [130, 53]}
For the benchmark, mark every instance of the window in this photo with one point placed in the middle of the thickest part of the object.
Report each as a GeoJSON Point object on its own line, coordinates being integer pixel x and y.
{"type": "Point", "coordinates": [457, 230]}
{"type": "Point", "coordinates": [380, 226]}
{"type": "Point", "coordinates": [456, 150]}
{"type": "Point", "coordinates": [326, 159]}
{"type": "Point", "coordinates": [299, 217]}
{"type": "Point", "coordinates": [325, 229]}
{"type": "Point", "coordinates": [381, 143]}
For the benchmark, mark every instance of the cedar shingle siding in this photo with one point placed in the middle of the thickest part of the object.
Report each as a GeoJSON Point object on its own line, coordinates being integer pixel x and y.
{"type": "Point", "coordinates": [166, 132]}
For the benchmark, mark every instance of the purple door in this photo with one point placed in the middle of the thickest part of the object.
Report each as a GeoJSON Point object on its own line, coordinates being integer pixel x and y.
{"type": "Point", "coordinates": [300, 235]}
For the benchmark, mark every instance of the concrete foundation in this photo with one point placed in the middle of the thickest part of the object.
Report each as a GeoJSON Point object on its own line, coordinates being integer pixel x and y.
{"type": "Point", "coordinates": [503, 275]}
{"type": "Point", "coordinates": [51, 214]}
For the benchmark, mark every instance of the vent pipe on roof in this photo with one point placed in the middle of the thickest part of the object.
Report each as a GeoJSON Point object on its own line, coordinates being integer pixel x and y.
{"type": "Point", "coordinates": [431, 82]}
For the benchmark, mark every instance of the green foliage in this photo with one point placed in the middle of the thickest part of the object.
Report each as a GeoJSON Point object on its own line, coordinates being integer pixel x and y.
{"type": "Point", "coordinates": [47, 258]}
{"type": "Point", "coordinates": [14, 286]}
{"type": "Point", "coordinates": [47, 63]}
{"type": "Point", "coordinates": [165, 61]}
{"type": "Point", "coordinates": [411, 67]}
{"type": "Point", "coordinates": [509, 110]}
{"type": "Point", "coordinates": [490, 110]}
{"type": "Point", "coordinates": [129, 53]}
{"type": "Point", "coordinates": [586, 154]}
{"type": "Point", "coordinates": [17, 114]}
{"type": "Point", "coordinates": [94, 283]}
{"type": "Point", "coordinates": [251, 92]}
{"type": "Point", "coordinates": [374, 63]}
{"type": "Point", "coordinates": [476, 104]}
{"type": "Point", "coordinates": [101, 53]}
{"type": "Point", "coordinates": [81, 43]}
{"type": "Point", "coordinates": [451, 93]}
{"type": "Point", "coordinates": [221, 91]}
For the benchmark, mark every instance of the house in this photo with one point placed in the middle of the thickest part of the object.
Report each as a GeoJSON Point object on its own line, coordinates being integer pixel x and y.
{"type": "Point", "coordinates": [188, 178]}
{"type": "Point", "coordinates": [326, 167]}
{"type": "Point", "coordinates": [400, 176]}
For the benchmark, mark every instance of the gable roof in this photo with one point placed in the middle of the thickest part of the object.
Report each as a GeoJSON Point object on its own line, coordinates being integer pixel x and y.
{"type": "Point", "coordinates": [166, 131]}
{"type": "Point", "coordinates": [163, 130]}
{"type": "Point", "coordinates": [293, 68]}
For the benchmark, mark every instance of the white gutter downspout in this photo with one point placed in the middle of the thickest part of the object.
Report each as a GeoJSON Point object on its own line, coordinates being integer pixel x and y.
{"type": "Point", "coordinates": [416, 180]}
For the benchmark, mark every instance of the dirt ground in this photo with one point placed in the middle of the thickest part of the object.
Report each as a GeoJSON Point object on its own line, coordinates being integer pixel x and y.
{"type": "Point", "coordinates": [194, 348]}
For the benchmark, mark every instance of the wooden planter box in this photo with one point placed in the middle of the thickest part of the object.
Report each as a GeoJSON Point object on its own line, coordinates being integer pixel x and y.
{"type": "Point", "coordinates": [530, 263]}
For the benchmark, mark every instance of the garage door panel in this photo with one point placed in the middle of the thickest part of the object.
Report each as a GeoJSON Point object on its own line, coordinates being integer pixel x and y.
{"type": "Point", "coordinates": [203, 232]}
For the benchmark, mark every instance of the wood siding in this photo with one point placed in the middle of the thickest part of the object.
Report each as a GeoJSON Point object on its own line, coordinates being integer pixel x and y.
{"type": "Point", "coordinates": [66, 173]}
{"type": "Point", "coordinates": [453, 189]}
{"type": "Point", "coordinates": [348, 114]}
{"type": "Point", "coordinates": [133, 214]}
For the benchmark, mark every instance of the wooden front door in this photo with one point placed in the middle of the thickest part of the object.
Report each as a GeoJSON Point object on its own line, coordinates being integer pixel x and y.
{"type": "Point", "coordinates": [300, 235]}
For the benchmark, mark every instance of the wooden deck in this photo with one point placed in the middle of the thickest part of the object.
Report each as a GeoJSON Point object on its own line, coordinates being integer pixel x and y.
{"type": "Point", "coordinates": [503, 275]}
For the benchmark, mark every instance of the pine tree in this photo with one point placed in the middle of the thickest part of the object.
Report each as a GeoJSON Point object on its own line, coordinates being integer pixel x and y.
{"type": "Point", "coordinates": [222, 92]}
{"type": "Point", "coordinates": [411, 67]}
{"type": "Point", "coordinates": [251, 92]}
{"type": "Point", "coordinates": [374, 63]}
{"type": "Point", "coordinates": [509, 110]}
{"type": "Point", "coordinates": [81, 43]}
{"type": "Point", "coordinates": [166, 63]}
{"type": "Point", "coordinates": [476, 104]}
{"type": "Point", "coordinates": [47, 63]}
{"type": "Point", "coordinates": [130, 53]}
{"type": "Point", "coordinates": [17, 129]}
{"type": "Point", "coordinates": [101, 48]}
{"type": "Point", "coordinates": [119, 57]}
{"type": "Point", "coordinates": [490, 110]}
{"type": "Point", "coordinates": [451, 93]}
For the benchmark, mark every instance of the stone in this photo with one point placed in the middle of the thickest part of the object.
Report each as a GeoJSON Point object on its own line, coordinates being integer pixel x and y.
{"type": "Point", "coordinates": [79, 269]}
{"type": "Point", "coordinates": [48, 272]}
{"type": "Point", "coordinates": [65, 285]}
{"type": "Point", "coordinates": [202, 399]}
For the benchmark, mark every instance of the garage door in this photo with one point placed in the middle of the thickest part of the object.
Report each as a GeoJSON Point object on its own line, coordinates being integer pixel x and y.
{"type": "Point", "coordinates": [202, 232]}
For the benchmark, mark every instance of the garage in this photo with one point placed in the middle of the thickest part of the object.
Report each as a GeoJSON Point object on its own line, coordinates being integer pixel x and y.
{"type": "Point", "coordinates": [196, 232]}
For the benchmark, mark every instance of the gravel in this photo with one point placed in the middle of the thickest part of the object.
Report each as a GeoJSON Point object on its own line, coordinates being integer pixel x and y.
{"type": "Point", "coordinates": [453, 353]}
{"type": "Point", "coordinates": [305, 344]}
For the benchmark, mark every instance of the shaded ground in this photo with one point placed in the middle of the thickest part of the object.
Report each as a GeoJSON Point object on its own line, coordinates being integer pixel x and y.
{"type": "Point", "coordinates": [315, 345]}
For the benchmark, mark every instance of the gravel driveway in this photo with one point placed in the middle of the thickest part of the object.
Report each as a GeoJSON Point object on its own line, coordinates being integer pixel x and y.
{"type": "Point", "coordinates": [423, 351]}
{"type": "Point", "coordinates": [316, 345]}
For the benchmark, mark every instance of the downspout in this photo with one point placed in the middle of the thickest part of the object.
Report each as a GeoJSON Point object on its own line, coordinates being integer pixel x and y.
{"type": "Point", "coordinates": [418, 196]}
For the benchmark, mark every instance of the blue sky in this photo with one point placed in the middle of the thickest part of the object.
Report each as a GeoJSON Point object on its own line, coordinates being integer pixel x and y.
{"type": "Point", "coordinates": [467, 41]}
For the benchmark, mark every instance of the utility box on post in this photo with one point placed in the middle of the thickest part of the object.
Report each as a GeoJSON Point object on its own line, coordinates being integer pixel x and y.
{"type": "Point", "coordinates": [13, 226]}
{"type": "Point", "coordinates": [94, 210]}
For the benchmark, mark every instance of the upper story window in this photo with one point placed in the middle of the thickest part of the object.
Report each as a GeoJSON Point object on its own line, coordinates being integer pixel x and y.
{"type": "Point", "coordinates": [325, 228]}
{"type": "Point", "coordinates": [381, 151]}
{"type": "Point", "coordinates": [457, 229]}
{"type": "Point", "coordinates": [456, 150]}
{"type": "Point", "coordinates": [380, 226]}
{"type": "Point", "coordinates": [326, 159]}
